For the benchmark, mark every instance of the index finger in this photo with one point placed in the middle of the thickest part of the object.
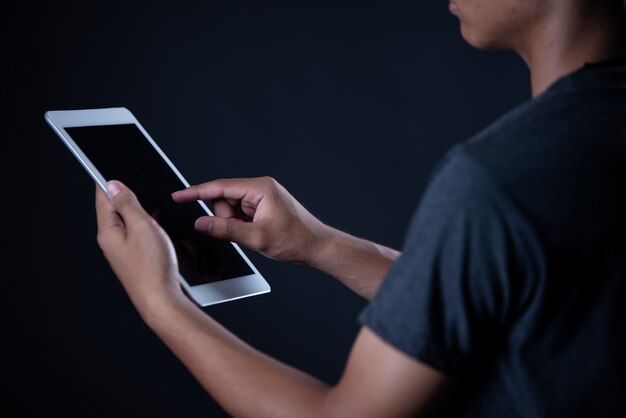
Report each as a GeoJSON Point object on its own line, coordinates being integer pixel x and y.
{"type": "Point", "coordinates": [108, 219]}
{"type": "Point", "coordinates": [217, 189]}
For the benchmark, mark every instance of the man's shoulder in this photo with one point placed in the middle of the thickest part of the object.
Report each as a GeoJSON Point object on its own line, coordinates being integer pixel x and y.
{"type": "Point", "coordinates": [573, 109]}
{"type": "Point", "coordinates": [525, 127]}
{"type": "Point", "coordinates": [527, 143]}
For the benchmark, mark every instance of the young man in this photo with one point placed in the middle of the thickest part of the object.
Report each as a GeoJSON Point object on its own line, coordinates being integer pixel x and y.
{"type": "Point", "coordinates": [508, 297]}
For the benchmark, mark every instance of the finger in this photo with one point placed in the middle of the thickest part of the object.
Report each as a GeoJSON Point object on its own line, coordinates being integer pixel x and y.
{"type": "Point", "coordinates": [218, 189]}
{"type": "Point", "coordinates": [109, 222]}
{"type": "Point", "coordinates": [223, 209]}
{"type": "Point", "coordinates": [247, 234]}
{"type": "Point", "coordinates": [125, 203]}
{"type": "Point", "coordinates": [233, 202]}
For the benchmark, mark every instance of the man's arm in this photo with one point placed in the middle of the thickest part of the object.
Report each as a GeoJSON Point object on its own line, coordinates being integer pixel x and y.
{"type": "Point", "coordinates": [281, 228]}
{"type": "Point", "coordinates": [379, 380]}
{"type": "Point", "coordinates": [359, 264]}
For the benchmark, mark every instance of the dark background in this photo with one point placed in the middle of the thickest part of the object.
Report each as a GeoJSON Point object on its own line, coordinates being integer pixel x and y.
{"type": "Point", "coordinates": [349, 104]}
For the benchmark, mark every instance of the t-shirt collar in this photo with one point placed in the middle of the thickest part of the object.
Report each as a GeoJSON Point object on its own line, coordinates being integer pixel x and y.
{"type": "Point", "coordinates": [609, 73]}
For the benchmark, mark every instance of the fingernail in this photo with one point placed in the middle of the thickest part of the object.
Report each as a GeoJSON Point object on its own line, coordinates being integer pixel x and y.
{"type": "Point", "coordinates": [113, 188]}
{"type": "Point", "coordinates": [176, 193]}
{"type": "Point", "coordinates": [203, 225]}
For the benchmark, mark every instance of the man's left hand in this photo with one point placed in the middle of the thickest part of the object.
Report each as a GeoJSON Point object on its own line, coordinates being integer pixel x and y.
{"type": "Point", "coordinates": [137, 248]}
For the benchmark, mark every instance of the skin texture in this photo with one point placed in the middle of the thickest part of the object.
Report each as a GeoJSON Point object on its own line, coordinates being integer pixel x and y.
{"type": "Point", "coordinates": [379, 381]}
{"type": "Point", "coordinates": [554, 37]}
{"type": "Point", "coordinates": [284, 230]}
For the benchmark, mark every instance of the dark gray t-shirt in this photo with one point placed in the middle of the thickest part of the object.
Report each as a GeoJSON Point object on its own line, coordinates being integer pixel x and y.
{"type": "Point", "coordinates": [513, 275]}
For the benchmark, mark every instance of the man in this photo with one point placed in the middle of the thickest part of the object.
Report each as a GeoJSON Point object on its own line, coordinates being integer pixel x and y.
{"type": "Point", "coordinates": [508, 297]}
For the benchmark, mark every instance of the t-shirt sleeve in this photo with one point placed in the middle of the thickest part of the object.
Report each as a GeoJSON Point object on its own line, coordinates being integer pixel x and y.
{"type": "Point", "coordinates": [463, 272]}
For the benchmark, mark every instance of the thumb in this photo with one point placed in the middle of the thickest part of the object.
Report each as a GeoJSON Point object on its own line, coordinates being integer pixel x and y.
{"type": "Point", "coordinates": [245, 233]}
{"type": "Point", "coordinates": [125, 202]}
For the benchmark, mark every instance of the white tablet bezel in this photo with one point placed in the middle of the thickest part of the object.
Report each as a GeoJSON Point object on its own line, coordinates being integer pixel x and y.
{"type": "Point", "coordinates": [205, 294]}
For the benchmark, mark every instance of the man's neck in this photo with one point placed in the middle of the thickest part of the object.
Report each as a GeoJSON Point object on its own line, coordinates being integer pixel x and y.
{"type": "Point", "coordinates": [565, 42]}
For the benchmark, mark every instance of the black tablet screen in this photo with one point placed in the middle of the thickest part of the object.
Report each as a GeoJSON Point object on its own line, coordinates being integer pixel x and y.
{"type": "Point", "coordinates": [123, 153]}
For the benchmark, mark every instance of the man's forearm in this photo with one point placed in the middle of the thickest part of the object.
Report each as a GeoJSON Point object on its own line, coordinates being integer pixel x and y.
{"type": "Point", "coordinates": [246, 382]}
{"type": "Point", "coordinates": [359, 264]}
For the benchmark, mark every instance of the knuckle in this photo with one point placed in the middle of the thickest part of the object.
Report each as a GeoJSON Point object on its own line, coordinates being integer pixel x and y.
{"type": "Point", "coordinates": [258, 239]}
{"type": "Point", "coordinates": [102, 240]}
{"type": "Point", "coordinates": [209, 185]}
{"type": "Point", "coordinates": [123, 199]}
{"type": "Point", "coordinates": [144, 223]}
{"type": "Point", "coordinates": [270, 181]}
{"type": "Point", "coordinates": [270, 185]}
{"type": "Point", "coordinates": [196, 189]}
{"type": "Point", "coordinates": [218, 183]}
{"type": "Point", "coordinates": [223, 229]}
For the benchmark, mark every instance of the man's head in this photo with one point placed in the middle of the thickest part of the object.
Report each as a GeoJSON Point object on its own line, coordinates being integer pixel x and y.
{"type": "Point", "coordinates": [510, 24]}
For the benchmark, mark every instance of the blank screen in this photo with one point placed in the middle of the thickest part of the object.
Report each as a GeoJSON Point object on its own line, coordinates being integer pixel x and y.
{"type": "Point", "coordinates": [122, 152]}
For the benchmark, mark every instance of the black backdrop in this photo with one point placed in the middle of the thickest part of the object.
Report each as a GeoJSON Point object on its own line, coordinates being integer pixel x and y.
{"type": "Point", "coordinates": [349, 104]}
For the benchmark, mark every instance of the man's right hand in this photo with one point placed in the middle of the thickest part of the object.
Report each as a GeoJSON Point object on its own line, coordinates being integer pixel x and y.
{"type": "Point", "coordinates": [259, 214]}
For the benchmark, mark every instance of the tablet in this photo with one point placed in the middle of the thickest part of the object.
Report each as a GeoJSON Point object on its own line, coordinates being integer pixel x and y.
{"type": "Point", "coordinates": [112, 144]}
